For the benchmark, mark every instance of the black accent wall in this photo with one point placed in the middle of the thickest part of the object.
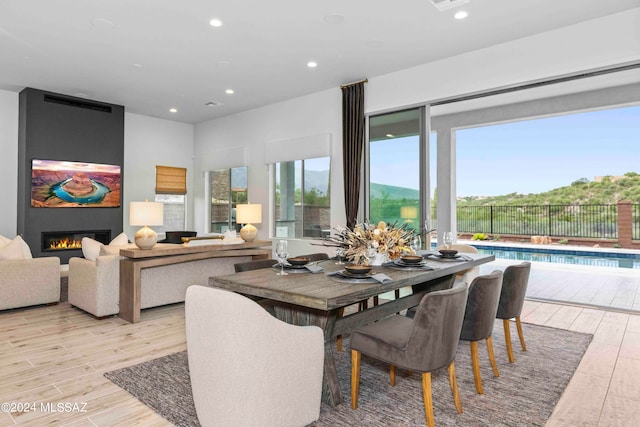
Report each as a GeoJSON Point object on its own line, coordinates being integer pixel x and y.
{"type": "Point", "coordinates": [61, 127]}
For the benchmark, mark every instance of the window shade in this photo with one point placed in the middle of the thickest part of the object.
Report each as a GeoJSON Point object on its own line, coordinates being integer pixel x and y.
{"type": "Point", "coordinates": [171, 180]}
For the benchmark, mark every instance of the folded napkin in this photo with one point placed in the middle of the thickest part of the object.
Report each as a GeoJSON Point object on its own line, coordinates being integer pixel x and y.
{"type": "Point", "coordinates": [314, 268]}
{"type": "Point", "coordinates": [381, 277]}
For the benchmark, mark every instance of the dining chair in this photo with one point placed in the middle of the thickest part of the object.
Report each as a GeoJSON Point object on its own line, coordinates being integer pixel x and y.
{"type": "Point", "coordinates": [254, 265]}
{"type": "Point", "coordinates": [479, 318]}
{"type": "Point", "coordinates": [514, 289]}
{"type": "Point", "coordinates": [466, 275]}
{"type": "Point", "coordinates": [267, 373]}
{"type": "Point", "coordinates": [319, 256]}
{"type": "Point", "coordinates": [425, 343]}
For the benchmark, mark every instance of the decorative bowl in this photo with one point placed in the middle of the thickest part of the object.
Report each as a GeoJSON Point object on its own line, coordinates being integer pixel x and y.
{"type": "Point", "coordinates": [300, 260]}
{"type": "Point", "coordinates": [448, 253]}
{"type": "Point", "coordinates": [411, 259]}
{"type": "Point", "coordinates": [358, 269]}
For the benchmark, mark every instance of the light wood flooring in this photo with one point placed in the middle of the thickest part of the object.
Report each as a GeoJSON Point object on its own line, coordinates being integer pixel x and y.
{"type": "Point", "coordinates": [58, 354]}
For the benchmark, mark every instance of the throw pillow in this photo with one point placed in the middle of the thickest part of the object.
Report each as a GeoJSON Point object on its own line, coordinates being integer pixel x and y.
{"type": "Point", "coordinates": [26, 250]}
{"type": "Point", "coordinates": [115, 249]}
{"type": "Point", "coordinates": [120, 239]}
{"type": "Point", "coordinates": [13, 250]}
{"type": "Point", "coordinates": [90, 248]}
{"type": "Point", "coordinates": [4, 241]}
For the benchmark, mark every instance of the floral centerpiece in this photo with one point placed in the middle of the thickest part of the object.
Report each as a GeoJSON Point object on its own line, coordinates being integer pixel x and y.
{"type": "Point", "coordinates": [366, 238]}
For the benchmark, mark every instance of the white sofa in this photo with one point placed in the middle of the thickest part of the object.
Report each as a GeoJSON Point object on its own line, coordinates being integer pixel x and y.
{"type": "Point", "coordinates": [94, 286]}
{"type": "Point", "coordinates": [32, 281]}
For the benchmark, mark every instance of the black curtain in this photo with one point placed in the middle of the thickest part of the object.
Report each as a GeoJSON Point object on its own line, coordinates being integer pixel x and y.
{"type": "Point", "coordinates": [352, 147]}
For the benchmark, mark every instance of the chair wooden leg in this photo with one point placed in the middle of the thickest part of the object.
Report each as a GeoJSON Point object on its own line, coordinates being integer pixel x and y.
{"type": "Point", "coordinates": [507, 339]}
{"type": "Point", "coordinates": [397, 293]}
{"type": "Point", "coordinates": [492, 357]}
{"type": "Point", "coordinates": [392, 375]}
{"type": "Point", "coordinates": [375, 301]}
{"type": "Point", "coordinates": [520, 334]}
{"type": "Point", "coordinates": [454, 387]}
{"type": "Point", "coordinates": [339, 337]}
{"type": "Point", "coordinates": [475, 365]}
{"type": "Point", "coordinates": [355, 378]}
{"type": "Point", "coordinates": [428, 399]}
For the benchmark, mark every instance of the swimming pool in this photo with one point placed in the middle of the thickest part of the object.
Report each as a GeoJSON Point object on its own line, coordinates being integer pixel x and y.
{"type": "Point", "coordinates": [564, 256]}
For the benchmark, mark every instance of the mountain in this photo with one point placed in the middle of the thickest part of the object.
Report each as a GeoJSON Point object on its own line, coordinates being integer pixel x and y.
{"type": "Point", "coordinates": [391, 192]}
{"type": "Point", "coordinates": [604, 190]}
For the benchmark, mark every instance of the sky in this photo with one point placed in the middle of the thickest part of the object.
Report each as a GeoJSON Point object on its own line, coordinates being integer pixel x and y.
{"type": "Point", "coordinates": [525, 157]}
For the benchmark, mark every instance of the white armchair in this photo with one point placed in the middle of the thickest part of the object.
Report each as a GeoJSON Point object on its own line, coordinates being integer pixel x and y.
{"type": "Point", "coordinates": [248, 368]}
{"type": "Point", "coordinates": [25, 282]}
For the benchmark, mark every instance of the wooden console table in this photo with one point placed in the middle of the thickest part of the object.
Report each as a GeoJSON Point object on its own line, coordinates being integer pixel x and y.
{"type": "Point", "coordinates": [135, 260]}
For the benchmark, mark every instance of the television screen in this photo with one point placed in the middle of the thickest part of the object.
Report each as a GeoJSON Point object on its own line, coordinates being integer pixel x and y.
{"type": "Point", "coordinates": [63, 184]}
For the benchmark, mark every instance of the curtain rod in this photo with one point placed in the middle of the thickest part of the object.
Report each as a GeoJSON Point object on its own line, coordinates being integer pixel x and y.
{"type": "Point", "coordinates": [354, 83]}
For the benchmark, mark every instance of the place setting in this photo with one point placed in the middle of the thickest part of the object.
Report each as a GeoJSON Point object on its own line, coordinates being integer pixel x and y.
{"type": "Point", "coordinates": [359, 273]}
{"type": "Point", "coordinates": [294, 265]}
{"type": "Point", "coordinates": [409, 263]}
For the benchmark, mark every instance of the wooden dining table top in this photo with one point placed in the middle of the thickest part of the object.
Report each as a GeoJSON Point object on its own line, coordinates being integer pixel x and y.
{"type": "Point", "coordinates": [322, 291]}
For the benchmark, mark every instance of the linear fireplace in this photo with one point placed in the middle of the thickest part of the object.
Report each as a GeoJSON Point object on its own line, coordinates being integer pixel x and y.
{"type": "Point", "coordinates": [53, 241]}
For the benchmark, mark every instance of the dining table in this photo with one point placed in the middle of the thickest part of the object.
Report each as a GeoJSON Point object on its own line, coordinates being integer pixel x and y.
{"type": "Point", "coordinates": [320, 297]}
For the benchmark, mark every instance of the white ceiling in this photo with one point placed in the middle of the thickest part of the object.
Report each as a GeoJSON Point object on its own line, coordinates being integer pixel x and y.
{"type": "Point", "coordinates": [160, 54]}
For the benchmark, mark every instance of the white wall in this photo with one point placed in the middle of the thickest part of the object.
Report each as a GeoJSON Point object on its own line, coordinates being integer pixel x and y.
{"type": "Point", "coordinates": [607, 41]}
{"type": "Point", "coordinates": [8, 163]}
{"type": "Point", "coordinates": [149, 142]}
{"type": "Point", "coordinates": [311, 115]}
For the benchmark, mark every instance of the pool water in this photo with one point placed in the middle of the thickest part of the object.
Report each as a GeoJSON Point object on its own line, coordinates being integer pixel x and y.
{"type": "Point", "coordinates": [589, 258]}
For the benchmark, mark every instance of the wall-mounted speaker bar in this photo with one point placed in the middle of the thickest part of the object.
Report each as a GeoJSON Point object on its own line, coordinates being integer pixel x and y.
{"type": "Point", "coordinates": [77, 103]}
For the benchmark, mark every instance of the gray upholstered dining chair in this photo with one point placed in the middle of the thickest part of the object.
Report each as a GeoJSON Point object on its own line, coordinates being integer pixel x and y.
{"type": "Point", "coordinates": [254, 265]}
{"type": "Point", "coordinates": [319, 256]}
{"type": "Point", "coordinates": [479, 318]}
{"type": "Point", "coordinates": [267, 373]}
{"type": "Point", "coordinates": [425, 343]}
{"type": "Point", "coordinates": [514, 289]}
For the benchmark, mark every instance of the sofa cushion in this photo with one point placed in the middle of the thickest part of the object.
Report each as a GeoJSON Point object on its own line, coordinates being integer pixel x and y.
{"type": "Point", "coordinates": [26, 251]}
{"type": "Point", "coordinates": [120, 239]}
{"type": "Point", "coordinates": [90, 248]}
{"type": "Point", "coordinates": [112, 249]}
{"type": "Point", "coordinates": [13, 250]}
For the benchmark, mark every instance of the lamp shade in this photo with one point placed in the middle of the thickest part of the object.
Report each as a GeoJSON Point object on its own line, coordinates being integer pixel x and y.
{"type": "Point", "coordinates": [146, 213]}
{"type": "Point", "coordinates": [249, 214]}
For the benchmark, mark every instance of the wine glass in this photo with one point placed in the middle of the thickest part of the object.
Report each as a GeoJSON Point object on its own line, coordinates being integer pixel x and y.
{"type": "Point", "coordinates": [416, 243]}
{"type": "Point", "coordinates": [371, 254]}
{"type": "Point", "coordinates": [447, 238]}
{"type": "Point", "coordinates": [282, 253]}
{"type": "Point", "coordinates": [427, 233]}
{"type": "Point", "coordinates": [339, 255]}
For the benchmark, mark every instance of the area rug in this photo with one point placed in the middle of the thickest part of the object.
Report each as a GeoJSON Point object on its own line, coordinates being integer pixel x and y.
{"type": "Point", "coordinates": [524, 394]}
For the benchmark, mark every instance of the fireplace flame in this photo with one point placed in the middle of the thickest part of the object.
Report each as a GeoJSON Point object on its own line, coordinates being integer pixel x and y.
{"type": "Point", "coordinates": [66, 244]}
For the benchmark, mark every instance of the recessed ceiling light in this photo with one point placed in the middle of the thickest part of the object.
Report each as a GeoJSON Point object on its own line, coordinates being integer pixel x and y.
{"type": "Point", "coordinates": [334, 19]}
{"type": "Point", "coordinates": [173, 110]}
{"type": "Point", "coordinates": [215, 22]}
{"type": "Point", "coordinates": [390, 135]}
{"type": "Point", "coordinates": [229, 91]}
{"type": "Point", "coordinates": [312, 64]}
{"type": "Point", "coordinates": [461, 14]}
{"type": "Point", "coordinates": [104, 24]}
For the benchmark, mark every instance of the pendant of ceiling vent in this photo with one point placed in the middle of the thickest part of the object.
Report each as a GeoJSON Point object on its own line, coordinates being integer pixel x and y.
{"type": "Point", "coordinates": [443, 5]}
{"type": "Point", "coordinates": [213, 104]}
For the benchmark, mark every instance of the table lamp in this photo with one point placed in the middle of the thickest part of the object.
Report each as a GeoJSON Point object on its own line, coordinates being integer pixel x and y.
{"type": "Point", "coordinates": [146, 214]}
{"type": "Point", "coordinates": [249, 214]}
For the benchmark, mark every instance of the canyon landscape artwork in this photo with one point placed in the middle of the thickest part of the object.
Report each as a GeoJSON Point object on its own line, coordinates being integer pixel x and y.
{"type": "Point", "coordinates": [64, 184]}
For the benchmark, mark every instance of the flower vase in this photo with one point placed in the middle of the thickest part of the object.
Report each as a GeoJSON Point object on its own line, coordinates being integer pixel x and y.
{"type": "Point", "coordinates": [379, 259]}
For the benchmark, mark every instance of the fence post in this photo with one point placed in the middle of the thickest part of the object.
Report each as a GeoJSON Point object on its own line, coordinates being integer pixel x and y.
{"type": "Point", "coordinates": [491, 221]}
{"type": "Point", "coordinates": [625, 225]}
{"type": "Point", "coordinates": [549, 220]}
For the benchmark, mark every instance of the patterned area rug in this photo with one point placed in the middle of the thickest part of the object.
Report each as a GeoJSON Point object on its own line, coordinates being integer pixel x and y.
{"type": "Point", "coordinates": [525, 393]}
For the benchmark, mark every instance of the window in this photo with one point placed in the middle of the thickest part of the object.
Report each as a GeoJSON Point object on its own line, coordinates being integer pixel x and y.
{"type": "Point", "coordinates": [171, 190]}
{"type": "Point", "coordinates": [302, 198]}
{"type": "Point", "coordinates": [394, 168]}
{"type": "Point", "coordinates": [228, 187]}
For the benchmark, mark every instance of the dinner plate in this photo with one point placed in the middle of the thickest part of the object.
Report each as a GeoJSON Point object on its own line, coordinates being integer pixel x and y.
{"type": "Point", "coordinates": [457, 256]}
{"type": "Point", "coordinates": [368, 275]}
{"type": "Point", "coordinates": [401, 263]}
